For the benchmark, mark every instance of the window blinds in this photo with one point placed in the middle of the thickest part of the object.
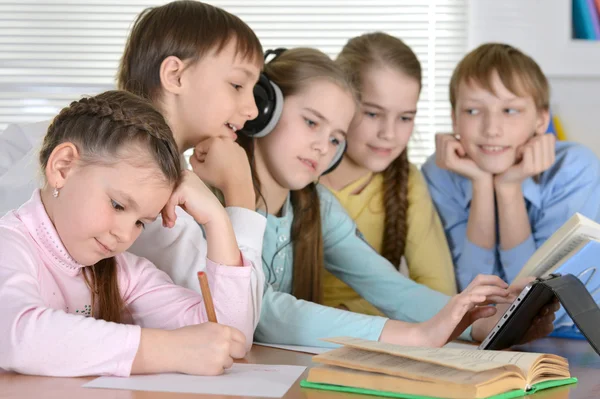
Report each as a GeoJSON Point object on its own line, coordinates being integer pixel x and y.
{"type": "Point", "coordinates": [53, 51]}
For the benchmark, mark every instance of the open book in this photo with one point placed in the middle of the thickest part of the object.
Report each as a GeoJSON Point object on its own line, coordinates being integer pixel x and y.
{"type": "Point", "coordinates": [573, 249]}
{"type": "Point", "coordinates": [563, 244]}
{"type": "Point", "coordinates": [391, 370]}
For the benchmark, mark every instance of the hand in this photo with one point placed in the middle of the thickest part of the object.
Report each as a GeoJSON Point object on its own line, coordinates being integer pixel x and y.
{"type": "Point", "coordinates": [533, 157]}
{"type": "Point", "coordinates": [196, 199]}
{"type": "Point", "coordinates": [206, 349]}
{"type": "Point", "coordinates": [451, 155]}
{"type": "Point", "coordinates": [542, 324]}
{"type": "Point", "coordinates": [222, 163]}
{"type": "Point", "coordinates": [465, 308]}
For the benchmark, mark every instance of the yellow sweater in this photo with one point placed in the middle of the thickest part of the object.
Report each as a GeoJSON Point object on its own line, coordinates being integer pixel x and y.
{"type": "Point", "coordinates": [426, 251]}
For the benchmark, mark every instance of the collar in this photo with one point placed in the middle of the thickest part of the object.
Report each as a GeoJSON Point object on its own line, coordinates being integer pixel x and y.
{"type": "Point", "coordinates": [35, 218]}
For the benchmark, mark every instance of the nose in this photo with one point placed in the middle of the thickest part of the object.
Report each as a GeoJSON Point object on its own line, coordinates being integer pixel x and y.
{"type": "Point", "coordinates": [124, 233]}
{"type": "Point", "coordinates": [386, 129]}
{"type": "Point", "coordinates": [321, 143]}
{"type": "Point", "coordinates": [249, 108]}
{"type": "Point", "coordinates": [492, 125]}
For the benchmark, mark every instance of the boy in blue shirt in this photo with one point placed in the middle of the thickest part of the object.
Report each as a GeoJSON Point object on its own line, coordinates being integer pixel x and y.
{"type": "Point", "coordinates": [500, 184]}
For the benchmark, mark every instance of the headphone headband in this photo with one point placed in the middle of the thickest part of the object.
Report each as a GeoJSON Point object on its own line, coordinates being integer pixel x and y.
{"type": "Point", "coordinates": [269, 101]}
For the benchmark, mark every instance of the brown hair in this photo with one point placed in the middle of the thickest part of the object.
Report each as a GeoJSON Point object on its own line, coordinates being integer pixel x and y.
{"type": "Point", "coordinates": [185, 29]}
{"type": "Point", "coordinates": [374, 50]}
{"type": "Point", "coordinates": [101, 127]}
{"type": "Point", "coordinates": [292, 70]}
{"type": "Point", "coordinates": [518, 72]}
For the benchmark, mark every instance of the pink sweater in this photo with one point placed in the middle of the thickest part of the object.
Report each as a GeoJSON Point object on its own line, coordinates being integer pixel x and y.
{"type": "Point", "coordinates": [45, 303]}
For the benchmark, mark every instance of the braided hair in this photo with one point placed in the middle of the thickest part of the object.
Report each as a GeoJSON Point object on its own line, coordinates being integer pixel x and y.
{"type": "Point", "coordinates": [101, 127]}
{"type": "Point", "coordinates": [382, 49]}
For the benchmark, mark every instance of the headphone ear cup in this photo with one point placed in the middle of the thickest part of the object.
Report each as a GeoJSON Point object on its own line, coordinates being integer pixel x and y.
{"type": "Point", "coordinates": [269, 101]}
{"type": "Point", "coordinates": [275, 114]}
{"type": "Point", "coordinates": [337, 159]}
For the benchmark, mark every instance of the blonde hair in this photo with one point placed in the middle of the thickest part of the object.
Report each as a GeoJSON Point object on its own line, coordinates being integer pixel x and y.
{"type": "Point", "coordinates": [518, 72]}
{"type": "Point", "coordinates": [361, 53]}
{"type": "Point", "coordinates": [292, 70]}
{"type": "Point", "coordinates": [185, 29]}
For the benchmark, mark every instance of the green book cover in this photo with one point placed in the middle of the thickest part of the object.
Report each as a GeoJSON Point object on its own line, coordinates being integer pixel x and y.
{"type": "Point", "coordinates": [507, 395]}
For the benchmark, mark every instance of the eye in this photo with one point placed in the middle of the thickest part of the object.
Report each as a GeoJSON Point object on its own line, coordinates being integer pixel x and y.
{"type": "Point", "coordinates": [472, 111]}
{"type": "Point", "coordinates": [511, 111]}
{"type": "Point", "coordinates": [141, 224]}
{"type": "Point", "coordinates": [371, 114]}
{"type": "Point", "coordinates": [312, 124]}
{"type": "Point", "coordinates": [236, 86]}
{"type": "Point", "coordinates": [335, 141]}
{"type": "Point", "coordinates": [406, 119]}
{"type": "Point", "coordinates": [116, 205]}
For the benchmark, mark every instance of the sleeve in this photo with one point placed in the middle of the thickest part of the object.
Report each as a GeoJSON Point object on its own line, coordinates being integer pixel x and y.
{"type": "Point", "coordinates": [426, 251]}
{"type": "Point", "coordinates": [154, 301]}
{"type": "Point", "coordinates": [353, 261]}
{"type": "Point", "coordinates": [19, 166]}
{"type": "Point", "coordinates": [181, 251]}
{"type": "Point", "coordinates": [288, 320]}
{"type": "Point", "coordinates": [469, 259]}
{"type": "Point", "coordinates": [571, 185]}
{"type": "Point", "coordinates": [40, 340]}
{"type": "Point", "coordinates": [13, 145]}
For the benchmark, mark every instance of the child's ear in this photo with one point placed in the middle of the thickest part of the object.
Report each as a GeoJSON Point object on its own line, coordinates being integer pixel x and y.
{"type": "Point", "coordinates": [453, 116]}
{"type": "Point", "coordinates": [170, 74]}
{"type": "Point", "coordinates": [61, 163]}
{"type": "Point", "coordinates": [542, 122]}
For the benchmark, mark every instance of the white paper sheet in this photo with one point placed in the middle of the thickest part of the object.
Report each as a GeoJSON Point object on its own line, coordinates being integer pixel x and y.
{"type": "Point", "coordinates": [315, 350]}
{"type": "Point", "coordinates": [240, 380]}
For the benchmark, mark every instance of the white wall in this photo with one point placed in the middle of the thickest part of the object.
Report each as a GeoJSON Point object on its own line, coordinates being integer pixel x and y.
{"type": "Point", "coordinates": [542, 29]}
{"type": "Point", "coordinates": [577, 102]}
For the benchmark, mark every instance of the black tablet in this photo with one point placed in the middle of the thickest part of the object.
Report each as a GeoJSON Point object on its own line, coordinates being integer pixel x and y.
{"type": "Point", "coordinates": [515, 322]}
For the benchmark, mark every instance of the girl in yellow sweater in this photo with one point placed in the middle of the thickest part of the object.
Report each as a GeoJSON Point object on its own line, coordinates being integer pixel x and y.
{"type": "Point", "coordinates": [385, 194]}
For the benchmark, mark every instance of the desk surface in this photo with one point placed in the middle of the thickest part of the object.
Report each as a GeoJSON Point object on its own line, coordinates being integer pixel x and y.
{"type": "Point", "coordinates": [584, 363]}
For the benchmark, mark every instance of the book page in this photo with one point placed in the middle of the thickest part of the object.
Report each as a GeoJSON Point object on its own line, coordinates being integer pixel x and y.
{"type": "Point", "coordinates": [359, 359]}
{"type": "Point", "coordinates": [463, 359]}
{"type": "Point", "coordinates": [566, 239]}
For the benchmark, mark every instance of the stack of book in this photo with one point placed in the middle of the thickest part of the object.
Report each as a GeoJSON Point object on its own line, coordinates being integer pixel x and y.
{"type": "Point", "coordinates": [381, 369]}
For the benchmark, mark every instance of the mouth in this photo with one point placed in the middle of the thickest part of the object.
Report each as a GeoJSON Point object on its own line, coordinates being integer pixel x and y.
{"type": "Point", "coordinates": [103, 247]}
{"type": "Point", "coordinates": [493, 149]}
{"type": "Point", "coordinates": [309, 163]}
{"type": "Point", "coordinates": [380, 150]}
{"type": "Point", "coordinates": [233, 127]}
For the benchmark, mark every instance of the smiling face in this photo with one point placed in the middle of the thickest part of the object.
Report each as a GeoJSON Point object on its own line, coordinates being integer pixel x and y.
{"type": "Point", "coordinates": [216, 97]}
{"type": "Point", "coordinates": [492, 125]}
{"type": "Point", "coordinates": [380, 132]}
{"type": "Point", "coordinates": [102, 209]}
{"type": "Point", "coordinates": [308, 135]}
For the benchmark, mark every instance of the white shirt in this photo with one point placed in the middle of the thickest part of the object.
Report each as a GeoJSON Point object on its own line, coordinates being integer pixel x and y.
{"type": "Point", "coordinates": [180, 251]}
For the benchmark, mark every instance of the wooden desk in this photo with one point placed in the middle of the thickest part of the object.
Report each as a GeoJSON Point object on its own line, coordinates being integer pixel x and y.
{"type": "Point", "coordinates": [585, 365]}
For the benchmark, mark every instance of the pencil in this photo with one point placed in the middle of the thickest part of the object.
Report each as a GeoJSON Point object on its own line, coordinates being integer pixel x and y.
{"type": "Point", "coordinates": [208, 303]}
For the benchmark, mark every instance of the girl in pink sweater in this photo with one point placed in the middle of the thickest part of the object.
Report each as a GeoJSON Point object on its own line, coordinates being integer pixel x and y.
{"type": "Point", "coordinates": [73, 302]}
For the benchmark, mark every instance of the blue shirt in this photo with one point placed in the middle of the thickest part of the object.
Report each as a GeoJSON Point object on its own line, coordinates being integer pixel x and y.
{"type": "Point", "coordinates": [287, 320]}
{"type": "Point", "coordinates": [571, 184]}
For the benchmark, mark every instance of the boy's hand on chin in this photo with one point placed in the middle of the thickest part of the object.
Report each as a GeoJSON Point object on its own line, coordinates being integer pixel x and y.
{"type": "Point", "coordinates": [451, 155]}
{"type": "Point", "coordinates": [533, 158]}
